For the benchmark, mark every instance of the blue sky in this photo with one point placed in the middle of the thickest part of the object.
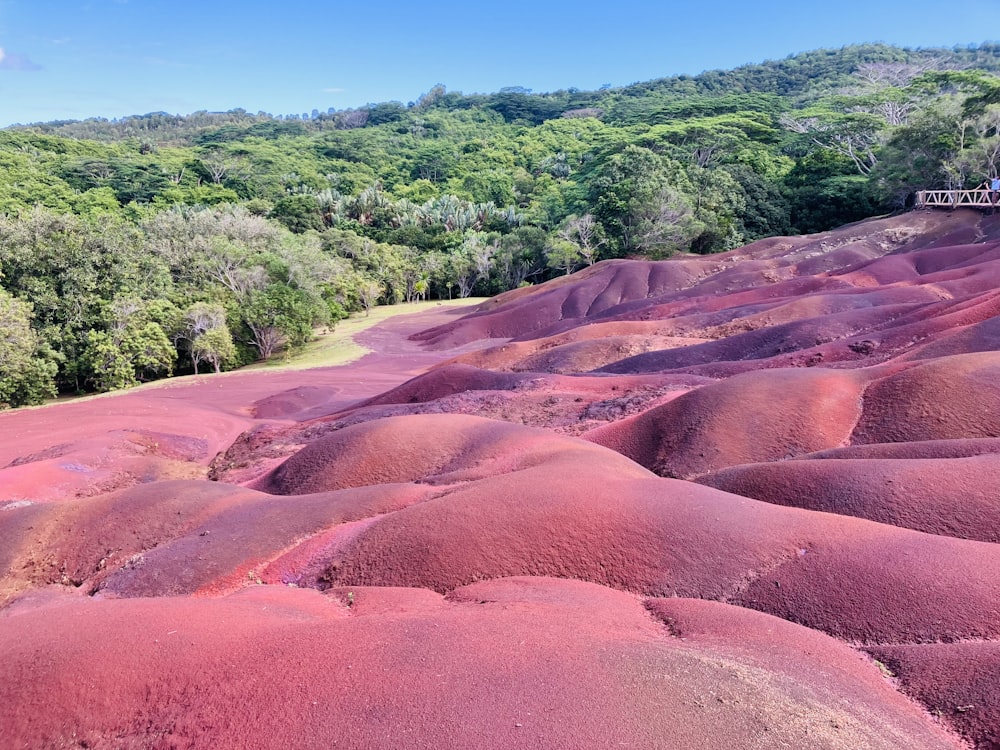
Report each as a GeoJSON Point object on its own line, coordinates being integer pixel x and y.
{"type": "Point", "coordinates": [72, 59]}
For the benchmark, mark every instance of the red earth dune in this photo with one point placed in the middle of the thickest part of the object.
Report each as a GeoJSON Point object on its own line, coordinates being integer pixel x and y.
{"type": "Point", "coordinates": [949, 496]}
{"type": "Point", "coordinates": [743, 500]}
{"type": "Point", "coordinates": [527, 662]}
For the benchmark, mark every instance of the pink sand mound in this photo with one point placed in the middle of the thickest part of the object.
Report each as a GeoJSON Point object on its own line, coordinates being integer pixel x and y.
{"type": "Point", "coordinates": [950, 496]}
{"type": "Point", "coordinates": [583, 348]}
{"type": "Point", "coordinates": [662, 537]}
{"type": "Point", "coordinates": [873, 585]}
{"type": "Point", "coordinates": [519, 502]}
{"type": "Point", "coordinates": [873, 328]}
{"type": "Point", "coordinates": [294, 402]}
{"type": "Point", "coordinates": [758, 416]}
{"type": "Point", "coordinates": [566, 404]}
{"type": "Point", "coordinates": [535, 662]}
{"type": "Point", "coordinates": [437, 449]}
{"type": "Point", "coordinates": [171, 538]}
{"type": "Point", "coordinates": [949, 398]}
{"type": "Point", "coordinates": [771, 415]}
{"type": "Point", "coordinates": [445, 381]}
{"type": "Point", "coordinates": [757, 344]}
{"type": "Point", "coordinates": [586, 293]}
{"type": "Point", "coordinates": [582, 356]}
{"type": "Point", "coordinates": [962, 448]}
{"type": "Point", "coordinates": [965, 337]}
{"type": "Point", "coordinates": [70, 542]}
{"type": "Point", "coordinates": [959, 682]}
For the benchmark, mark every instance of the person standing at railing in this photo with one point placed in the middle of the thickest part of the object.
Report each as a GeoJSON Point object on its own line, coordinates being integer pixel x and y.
{"type": "Point", "coordinates": [992, 186]}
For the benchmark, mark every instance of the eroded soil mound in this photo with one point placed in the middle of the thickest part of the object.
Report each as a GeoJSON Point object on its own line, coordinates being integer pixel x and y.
{"type": "Point", "coordinates": [956, 681]}
{"type": "Point", "coordinates": [532, 662]}
{"type": "Point", "coordinates": [766, 415]}
{"type": "Point", "coordinates": [950, 496]}
{"type": "Point", "coordinates": [435, 449]}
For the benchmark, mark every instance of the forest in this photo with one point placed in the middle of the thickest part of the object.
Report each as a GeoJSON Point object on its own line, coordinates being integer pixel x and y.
{"type": "Point", "coordinates": [159, 244]}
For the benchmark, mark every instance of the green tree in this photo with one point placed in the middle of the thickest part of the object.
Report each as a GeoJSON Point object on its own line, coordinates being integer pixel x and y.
{"type": "Point", "coordinates": [299, 213]}
{"type": "Point", "coordinates": [204, 333]}
{"type": "Point", "coordinates": [520, 257]}
{"type": "Point", "coordinates": [586, 234]}
{"type": "Point", "coordinates": [638, 202]}
{"type": "Point", "coordinates": [131, 349]}
{"type": "Point", "coordinates": [214, 346]}
{"type": "Point", "coordinates": [277, 317]}
{"type": "Point", "coordinates": [27, 370]}
{"type": "Point", "coordinates": [563, 255]}
{"type": "Point", "coordinates": [370, 291]}
{"type": "Point", "coordinates": [71, 270]}
{"type": "Point", "coordinates": [824, 191]}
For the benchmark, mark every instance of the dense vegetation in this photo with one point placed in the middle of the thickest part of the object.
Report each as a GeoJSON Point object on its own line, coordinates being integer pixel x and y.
{"type": "Point", "coordinates": [136, 248]}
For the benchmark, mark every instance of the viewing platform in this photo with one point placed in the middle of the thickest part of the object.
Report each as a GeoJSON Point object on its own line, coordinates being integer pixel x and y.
{"type": "Point", "coordinates": [953, 199]}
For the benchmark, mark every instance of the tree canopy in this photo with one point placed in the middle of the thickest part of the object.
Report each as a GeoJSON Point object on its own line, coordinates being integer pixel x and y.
{"type": "Point", "coordinates": [135, 248]}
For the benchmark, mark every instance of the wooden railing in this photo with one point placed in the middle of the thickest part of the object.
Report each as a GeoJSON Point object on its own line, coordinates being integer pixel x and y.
{"type": "Point", "coordinates": [953, 199]}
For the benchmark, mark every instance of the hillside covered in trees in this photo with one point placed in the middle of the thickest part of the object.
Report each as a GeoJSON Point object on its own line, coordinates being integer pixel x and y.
{"type": "Point", "coordinates": [141, 247]}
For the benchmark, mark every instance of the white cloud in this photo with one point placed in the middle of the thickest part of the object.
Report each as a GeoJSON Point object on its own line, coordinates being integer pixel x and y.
{"type": "Point", "coordinates": [334, 91]}
{"type": "Point", "coordinates": [16, 62]}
